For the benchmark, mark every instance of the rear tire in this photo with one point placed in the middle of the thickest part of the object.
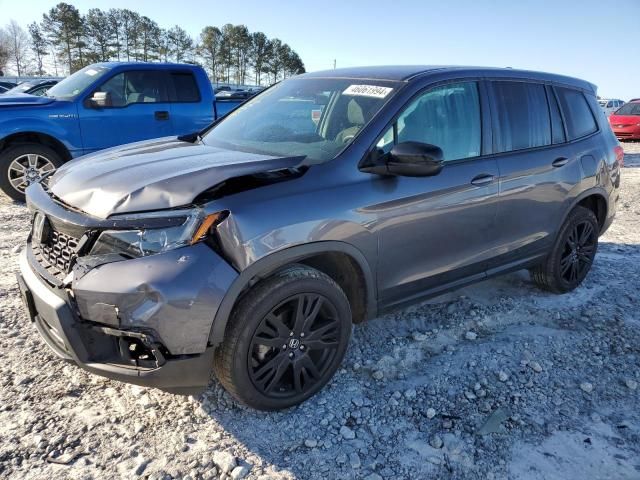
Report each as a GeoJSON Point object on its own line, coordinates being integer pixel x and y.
{"type": "Point", "coordinates": [572, 255]}
{"type": "Point", "coordinates": [285, 339]}
{"type": "Point", "coordinates": [23, 164]}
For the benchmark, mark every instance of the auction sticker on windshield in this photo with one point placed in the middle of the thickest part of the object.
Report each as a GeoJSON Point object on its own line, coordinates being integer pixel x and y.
{"type": "Point", "coordinates": [367, 91]}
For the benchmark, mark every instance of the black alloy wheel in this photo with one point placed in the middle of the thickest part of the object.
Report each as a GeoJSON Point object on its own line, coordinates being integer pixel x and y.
{"type": "Point", "coordinates": [572, 255]}
{"type": "Point", "coordinates": [578, 253]}
{"type": "Point", "coordinates": [285, 339]}
{"type": "Point", "coordinates": [294, 345]}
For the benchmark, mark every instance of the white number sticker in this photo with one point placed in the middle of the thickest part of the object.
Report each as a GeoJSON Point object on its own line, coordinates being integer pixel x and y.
{"type": "Point", "coordinates": [367, 91]}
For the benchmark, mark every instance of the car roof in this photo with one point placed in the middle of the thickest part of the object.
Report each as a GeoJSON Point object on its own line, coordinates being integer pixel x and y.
{"type": "Point", "coordinates": [407, 73]}
{"type": "Point", "coordinates": [147, 64]}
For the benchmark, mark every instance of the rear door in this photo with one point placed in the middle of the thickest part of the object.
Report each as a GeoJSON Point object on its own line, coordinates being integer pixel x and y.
{"type": "Point", "coordinates": [538, 168]}
{"type": "Point", "coordinates": [435, 230]}
{"type": "Point", "coordinates": [137, 109]}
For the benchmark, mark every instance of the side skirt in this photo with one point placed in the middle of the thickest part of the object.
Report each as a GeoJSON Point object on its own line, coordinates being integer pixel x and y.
{"type": "Point", "coordinates": [463, 282]}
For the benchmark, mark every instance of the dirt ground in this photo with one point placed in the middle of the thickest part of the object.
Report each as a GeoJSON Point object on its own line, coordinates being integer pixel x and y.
{"type": "Point", "coordinates": [497, 380]}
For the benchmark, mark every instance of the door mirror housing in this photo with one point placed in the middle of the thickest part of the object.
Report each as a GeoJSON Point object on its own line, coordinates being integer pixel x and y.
{"type": "Point", "coordinates": [100, 100]}
{"type": "Point", "coordinates": [409, 159]}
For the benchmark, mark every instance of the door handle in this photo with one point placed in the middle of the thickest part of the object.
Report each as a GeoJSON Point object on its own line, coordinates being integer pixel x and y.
{"type": "Point", "coordinates": [560, 162]}
{"type": "Point", "coordinates": [482, 179]}
{"type": "Point", "coordinates": [161, 115]}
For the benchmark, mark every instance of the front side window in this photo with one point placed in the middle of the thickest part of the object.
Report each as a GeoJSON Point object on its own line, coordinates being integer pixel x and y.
{"type": "Point", "coordinates": [127, 88]}
{"type": "Point", "coordinates": [521, 117]}
{"type": "Point", "coordinates": [447, 117]}
{"type": "Point", "coordinates": [314, 117]}
{"type": "Point", "coordinates": [577, 114]}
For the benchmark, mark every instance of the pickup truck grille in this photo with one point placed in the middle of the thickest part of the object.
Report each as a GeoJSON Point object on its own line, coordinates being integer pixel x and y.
{"type": "Point", "coordinates": [57, 253]}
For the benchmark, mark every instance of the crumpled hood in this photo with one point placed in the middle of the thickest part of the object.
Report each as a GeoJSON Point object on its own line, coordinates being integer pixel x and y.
{"type": "Point", "coordinates": [153, 175]}
{"type": "Point", "coordinates": [24, 99]}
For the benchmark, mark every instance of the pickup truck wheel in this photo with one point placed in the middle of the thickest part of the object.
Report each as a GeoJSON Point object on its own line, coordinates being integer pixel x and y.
{"type": "Point", "coordinates": [23, 165]}
{"type": "Point", "coordinates": [572, 256]}
{"type": "Point", "coordinates": [285, 339]}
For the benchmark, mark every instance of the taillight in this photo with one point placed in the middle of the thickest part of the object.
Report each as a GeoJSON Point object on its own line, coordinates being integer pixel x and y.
{"type": "Point", "coordinates": [619, 152]}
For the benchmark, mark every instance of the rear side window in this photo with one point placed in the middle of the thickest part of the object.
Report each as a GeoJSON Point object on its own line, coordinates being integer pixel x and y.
{"type": "Point", "coordinates": [185, 86]}
{"type": "Point", "coordinates": [577, 114]}
{"type": "Point", "coordinates": [522, 116]}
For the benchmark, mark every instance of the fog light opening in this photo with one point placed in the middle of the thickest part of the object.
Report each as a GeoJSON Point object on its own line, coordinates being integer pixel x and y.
{"type": "Point", "coordinates": [140, 353]}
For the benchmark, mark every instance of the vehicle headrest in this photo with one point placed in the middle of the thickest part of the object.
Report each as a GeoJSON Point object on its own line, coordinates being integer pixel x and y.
{"type": "Point", "coordinates": [354, 113]}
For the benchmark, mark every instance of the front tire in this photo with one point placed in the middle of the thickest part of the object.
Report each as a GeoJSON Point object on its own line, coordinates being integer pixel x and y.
{"type": "Point", "coordinates": [572, 255]}
{"type": "Point", "coordinates": [23, 164]}
{"type": "Point", "coordinates": [285, 339]}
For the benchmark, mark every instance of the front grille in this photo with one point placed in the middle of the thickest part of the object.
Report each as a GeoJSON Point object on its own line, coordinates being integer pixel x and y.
{"type": "Point", "coordinates": [57, 254]}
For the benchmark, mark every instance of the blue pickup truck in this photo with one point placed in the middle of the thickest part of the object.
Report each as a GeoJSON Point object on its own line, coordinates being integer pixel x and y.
{"type": "Point", "coordinates": [101, 106]}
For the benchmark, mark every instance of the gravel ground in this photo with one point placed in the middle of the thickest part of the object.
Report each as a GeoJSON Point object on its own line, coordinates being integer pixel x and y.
{"type": "Point", "coordinates": [498, 380]}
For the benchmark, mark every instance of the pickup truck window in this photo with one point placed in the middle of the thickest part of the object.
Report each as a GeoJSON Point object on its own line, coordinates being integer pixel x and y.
{"type": "Point", "coordinates": [315, 118]}
{"type": "Point", "coordinates": [143, 86]}
{"type": "Point", "coordinates": [74, 85]}
{"type": "Point", "coordinates": [185, 87]}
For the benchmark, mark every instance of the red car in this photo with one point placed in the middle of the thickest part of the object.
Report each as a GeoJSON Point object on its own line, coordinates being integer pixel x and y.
{"type": "Point", "coordinates": [625, 122]}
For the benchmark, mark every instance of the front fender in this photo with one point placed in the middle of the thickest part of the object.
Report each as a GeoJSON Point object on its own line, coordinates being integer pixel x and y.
{"type": "Point", "coordinates": [61, 125]}
{"type": "Point", "coordinates": [270, 263]}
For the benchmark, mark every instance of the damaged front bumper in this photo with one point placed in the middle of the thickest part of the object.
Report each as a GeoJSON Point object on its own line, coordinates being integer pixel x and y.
{"type": "Point", "coordinates": [144, 321]}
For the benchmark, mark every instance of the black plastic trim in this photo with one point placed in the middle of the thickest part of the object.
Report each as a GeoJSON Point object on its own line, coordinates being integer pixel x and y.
{"type": "Point", "coordinates": [269, 264]}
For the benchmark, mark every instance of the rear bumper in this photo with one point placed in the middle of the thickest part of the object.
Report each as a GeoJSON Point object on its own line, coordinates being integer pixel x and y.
{"type": "Point", "coordinates": [128, 353]}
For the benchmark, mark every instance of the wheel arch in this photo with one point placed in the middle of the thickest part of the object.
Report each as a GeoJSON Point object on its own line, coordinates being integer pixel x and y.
{"type": "Point", "coordinates": [595, 199]}
{"type": "Point", "coordinates": [36, 137]}
{"type": "Point", "coordinates": [343, 262]}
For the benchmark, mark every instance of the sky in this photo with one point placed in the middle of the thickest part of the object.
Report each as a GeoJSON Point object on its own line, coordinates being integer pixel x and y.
{"type": "Point", "coordinates": [596, 40]}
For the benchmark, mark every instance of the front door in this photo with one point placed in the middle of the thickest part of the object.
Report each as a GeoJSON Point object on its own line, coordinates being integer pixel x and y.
{"type": "Point", "coordinates": [137, 109]}
{"type": "Point", "coordinates": [434, 231]}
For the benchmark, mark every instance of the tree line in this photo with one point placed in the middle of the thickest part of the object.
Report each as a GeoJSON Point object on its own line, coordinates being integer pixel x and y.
{"type": "Point", "coordinates": [66, 41]}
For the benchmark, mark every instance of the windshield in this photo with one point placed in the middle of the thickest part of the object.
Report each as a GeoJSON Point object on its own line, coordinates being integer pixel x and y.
{"type": "Point", "coordinates": [72, 86]}
{"type": "Point", "coordinates": [315, 118]}
{"type": "Point", "coordinates": [629, 109]}
{"type": "Point", "coordinates": [23, 87]}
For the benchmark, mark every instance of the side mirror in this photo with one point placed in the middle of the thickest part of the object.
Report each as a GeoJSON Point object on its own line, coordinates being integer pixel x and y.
{"type": "Point", "coordinates": [100, 99]}
{"type": "Point", "coordinates": [408, 159]}
{"type": "Point", "coordinates": [415, 159]}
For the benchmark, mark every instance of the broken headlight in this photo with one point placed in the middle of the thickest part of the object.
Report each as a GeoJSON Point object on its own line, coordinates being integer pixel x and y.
{"type": "Point", "coordinates": [158, 232]}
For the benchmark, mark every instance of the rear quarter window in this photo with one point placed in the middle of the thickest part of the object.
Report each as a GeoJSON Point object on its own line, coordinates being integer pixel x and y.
{"type": "Point", "coordinates": [185, 87]}
{"type": "Point", "coordinates": [577, 114]}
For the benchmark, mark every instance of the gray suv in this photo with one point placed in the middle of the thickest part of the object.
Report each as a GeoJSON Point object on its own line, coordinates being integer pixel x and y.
{"type": "Point", "coordinates": [249, 250]}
